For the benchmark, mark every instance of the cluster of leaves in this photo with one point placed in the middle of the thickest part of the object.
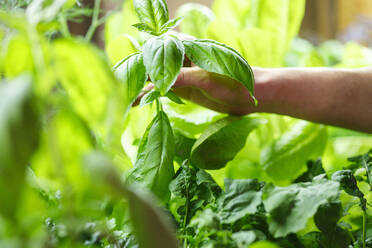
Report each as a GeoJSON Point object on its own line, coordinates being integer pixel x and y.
{"type": "Point", "coordinates": [248, 211]}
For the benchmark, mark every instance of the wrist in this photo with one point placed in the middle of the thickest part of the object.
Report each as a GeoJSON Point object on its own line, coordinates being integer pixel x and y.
{"type": "Point", "coordinates": [267, 90]}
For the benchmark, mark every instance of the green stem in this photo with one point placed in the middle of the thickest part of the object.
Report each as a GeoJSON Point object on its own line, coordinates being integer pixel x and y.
{"type": "Point", "coordinates": [159, 107]}
{"type": "Point", "coordinates": [364, 228]}
{"type": "Point", "coordinates": [64, 27]}
{"type": "Point", "coordinates": [187, 208]}
{"type": "Point", "coordinates": [369, 179]}
{"type": "Point", "coordinates": [95, 21]}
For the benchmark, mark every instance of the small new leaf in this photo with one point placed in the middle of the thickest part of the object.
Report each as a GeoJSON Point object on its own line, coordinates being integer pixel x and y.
{"type": "Point", "coordinates": [171, 24]}
{"type": "Point", "coordinates": [174, 98]}
{"type": "Point", "coordinates": [153, 13]}
{"type": "Point", "coordinates": [149, 97]}
{"type": "Point", "coordinates": [143, 27]}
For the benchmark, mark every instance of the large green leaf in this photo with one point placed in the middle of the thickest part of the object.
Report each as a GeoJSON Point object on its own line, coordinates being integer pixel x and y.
{"type": "Point", "coordinates": [235, 12]}
{"type": "Point", "coordinates": [183, 146]}
{"type": "Point", "coordinates": [242, 198]}
{"type": "Point", "coordinates": [328, 215]}
{"type": "Point", "coordinates": [196, 18]}
{"type": "Point", "coordinates": [35, 61]}
{"type": "Point", "coordinates": [154, 13]}
{"type": "Point", "coordinates": [120, 48]}
{"type": "Point", "coordinates": [154, 164]}
{"type": "Point", "coordinates": [291, 207]}
{"type": "Point", "coordinates": [132, 73]}
{"type": "Point", "coordinates": [285, 159]}
{"type": "Point", "coordinates": [274, 23]}
{"type": "Point", "coordinates": [219, 58]}
{"type": "Point", "coordinates": [190, 119]}
{"type": "Point", "coordinates": [65, 140]}
{"type": "Point", "coordinates": [221, 141]}
{"type": "Point", "coordinates": [91, 86]}
{"type": "Point", "coordinates": [18, 47]}
{"type": "Point", "coordinates": [19, 138]}
{"type": "Point", "coordinates": [163, 58]}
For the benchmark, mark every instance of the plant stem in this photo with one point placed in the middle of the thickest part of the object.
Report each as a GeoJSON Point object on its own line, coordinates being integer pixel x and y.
{"type": "Point", "coordinates": [186, 207]}
{"type": "Point", "coordinates": [159, 107]}
{"type": "Point", "coordinates": [369, 179]}
{"type": "Point", "coordinates": [95, 21]}
{"type": "Point", "coordinates": [64, 27]}
{"type": "Point", "coordinates": [364, 228]}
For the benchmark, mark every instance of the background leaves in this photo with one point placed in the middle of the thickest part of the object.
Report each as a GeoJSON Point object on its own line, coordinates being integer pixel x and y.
{"type": "Point", "coordinates": [19, 138]}
{"type": "Point", "coordinates": [221, 141]}
{"type": "Point", "coordinates": [285, 159]}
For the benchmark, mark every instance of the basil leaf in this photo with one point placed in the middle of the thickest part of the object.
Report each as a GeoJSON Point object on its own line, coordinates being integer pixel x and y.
{"type": "Point", "coordinates": [154, 13]}
{"type": "Point", "coordinates": [163, 58]}
{"type": "Point", "coordinates": [221, 141]}
{"type": "Point", "coordinates": [132, 73]}
{"type": "Point", "coordinates": [328, 215]}
{"type": "Point", "coordinates": [291, 207]}
{"type": "Point", "coordinates": [171, 24]}
{"type": "Point", "coordinates": [154, 164]}
{"type": "Point", "coordinates": [348, 182]}
{"type": "Point", "coordinates": [19, 138]}
{"type": "Point", "coordinates": [183, 146]}
{"type": "Point", "coordinates": [143, 27]}
{"type": "Point", "coordinates": [218, 58]}
{"type": "Point", "coordinates": [149, 97]}
{"type": "Point", "coordinates": [174, 98]}
{"type": "Point", "coordinates": [285, 159]}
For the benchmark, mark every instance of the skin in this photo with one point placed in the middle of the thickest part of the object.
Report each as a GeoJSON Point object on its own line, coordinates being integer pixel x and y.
{"type": "Point", "coordinates": [339, 97]}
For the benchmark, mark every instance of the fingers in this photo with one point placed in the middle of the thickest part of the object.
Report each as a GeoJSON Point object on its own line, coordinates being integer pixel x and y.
{"type": "Point", "coordinates": [145, 90]}
{"type": "Point", "coordinates": [189, 77]}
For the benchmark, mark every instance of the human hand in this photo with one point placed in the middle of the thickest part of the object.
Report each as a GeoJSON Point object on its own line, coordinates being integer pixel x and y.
{"type": "Point", "coordinates": [214, 91]}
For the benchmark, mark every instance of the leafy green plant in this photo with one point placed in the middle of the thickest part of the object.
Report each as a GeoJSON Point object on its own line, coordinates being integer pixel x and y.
{"type": "Point", "coordinates": [161, 59]}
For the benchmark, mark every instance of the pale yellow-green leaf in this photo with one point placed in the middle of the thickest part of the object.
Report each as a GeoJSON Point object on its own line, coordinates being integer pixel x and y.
{"type": "Point", "coordinates": [119, 48]}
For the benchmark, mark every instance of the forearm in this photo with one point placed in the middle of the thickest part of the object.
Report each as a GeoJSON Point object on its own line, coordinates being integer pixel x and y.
{"type": "Point", "coordinates": [332, 96]}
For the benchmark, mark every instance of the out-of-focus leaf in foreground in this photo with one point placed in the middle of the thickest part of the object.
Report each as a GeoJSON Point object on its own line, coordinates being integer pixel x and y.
{"type": "Point", "coordinates": [19, 138]}
{"type": "Point", "coordinates": [151, 226]}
